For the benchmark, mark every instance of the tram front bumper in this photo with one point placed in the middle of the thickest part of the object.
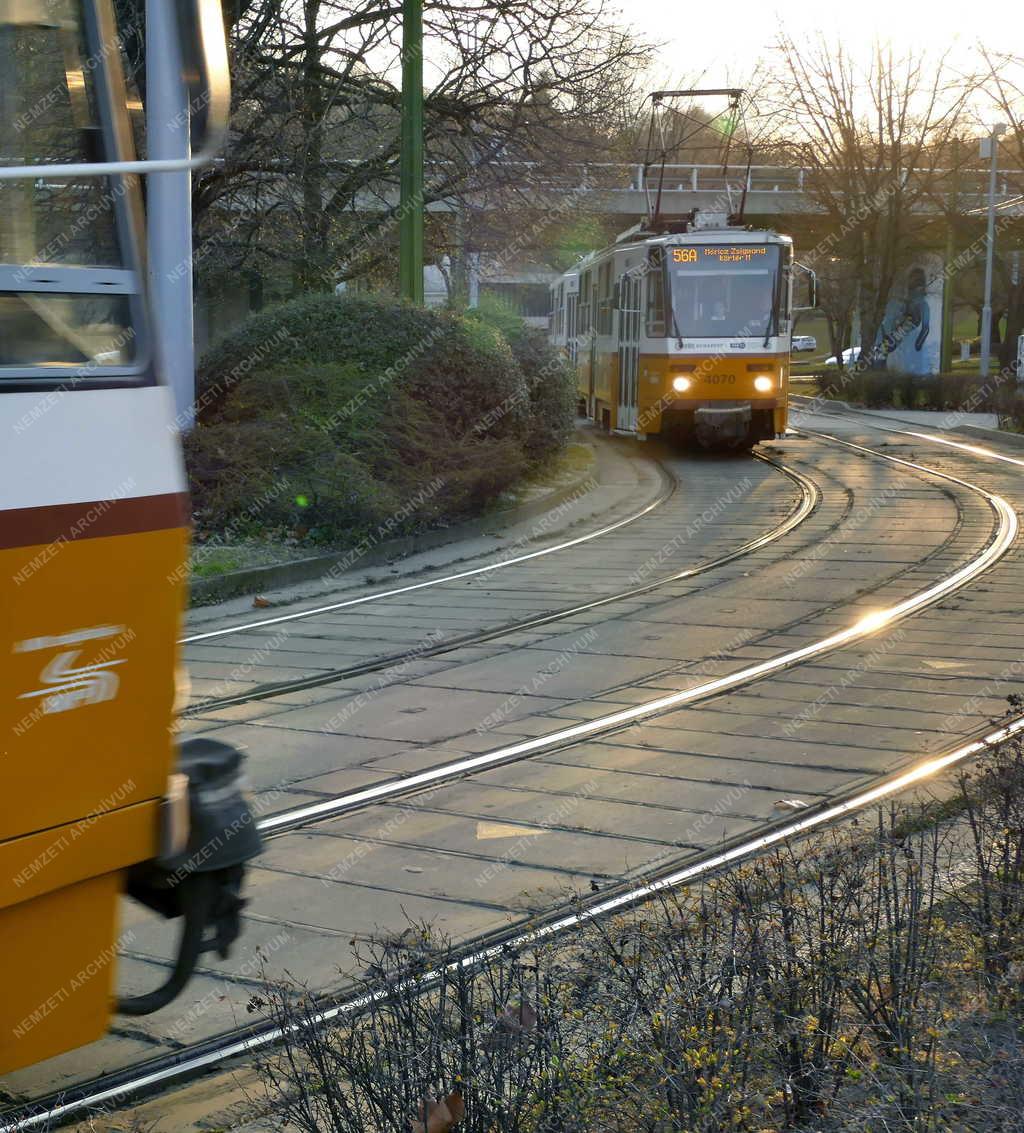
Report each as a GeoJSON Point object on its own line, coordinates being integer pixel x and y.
{"type": "Point", "coordinates": [717, 425]}
{"type": "Point", "coordinates": [717, 421]}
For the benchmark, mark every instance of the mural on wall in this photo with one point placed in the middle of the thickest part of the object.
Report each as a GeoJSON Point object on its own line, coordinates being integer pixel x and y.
{"type": "Point", "coordinates": [910, 338]}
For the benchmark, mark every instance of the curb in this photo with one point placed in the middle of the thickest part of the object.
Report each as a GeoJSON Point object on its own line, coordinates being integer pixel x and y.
{"type": "Point", "coordinates": [237, 583]}
{"type": "Point", "coordinates": [1014, 440]}
{"type": "Point", "coordinates": [978, 432]}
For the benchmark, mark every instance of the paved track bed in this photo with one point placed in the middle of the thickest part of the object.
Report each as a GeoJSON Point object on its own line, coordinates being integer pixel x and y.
{"type": "Point", "coordinates": [478, 855]}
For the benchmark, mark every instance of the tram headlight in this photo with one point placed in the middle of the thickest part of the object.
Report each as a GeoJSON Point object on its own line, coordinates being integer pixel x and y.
{"type": "Point", "coordinates": [763, 384]}
{"type": "Point", "coordinates": [681, 384]}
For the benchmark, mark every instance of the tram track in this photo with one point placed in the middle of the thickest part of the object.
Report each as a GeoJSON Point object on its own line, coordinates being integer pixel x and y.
{"type": "Point", "coordinates": [882, 424]}
{"type": "Point", "coordinates": [144, 1080]}
{"type": "Point", "coordinates": [806, 503]}
{"type": "Point", "coordinates": [292, 819]}
{"type": "Point", "coordinates": [669, 488]}
{"type": "Point", "coordinates": [1004, 534]}
{"type": "Point", "coordinates": [162, 1072]}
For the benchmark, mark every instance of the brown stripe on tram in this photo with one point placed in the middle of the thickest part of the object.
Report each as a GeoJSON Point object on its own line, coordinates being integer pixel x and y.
{"type": "Point", "coordinates": [98, 519]}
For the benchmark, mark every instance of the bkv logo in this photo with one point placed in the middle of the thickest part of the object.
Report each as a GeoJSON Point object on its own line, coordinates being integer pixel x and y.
{"type": "Point", "coordinates": [65, 683]}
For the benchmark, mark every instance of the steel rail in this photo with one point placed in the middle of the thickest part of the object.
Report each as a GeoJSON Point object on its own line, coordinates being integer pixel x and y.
{"type": "Point", "coordinates": [120, 1087]}
{"type": "Point", "coordinates": [934, 438]}
{"type": "Point", "coordinates": [809, 498]}
{"type": "Point", "coordinates": [409, 588]}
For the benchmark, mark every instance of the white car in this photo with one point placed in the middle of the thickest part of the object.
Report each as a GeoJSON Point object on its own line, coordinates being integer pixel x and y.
{"type": "Point", "coordinates": [804, 342]}
{"type": "Point", "coordinates": [850, 355]}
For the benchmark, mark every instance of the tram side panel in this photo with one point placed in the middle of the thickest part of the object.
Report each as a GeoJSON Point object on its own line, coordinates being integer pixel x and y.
{"type": "Point", "coordinates": [93, 548]}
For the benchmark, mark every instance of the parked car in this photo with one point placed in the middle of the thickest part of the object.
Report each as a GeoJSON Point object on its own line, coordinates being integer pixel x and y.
{"type": "Point", "coordinates": [804, 342]}
{"type": "Point", "coordinates": [850, 355]}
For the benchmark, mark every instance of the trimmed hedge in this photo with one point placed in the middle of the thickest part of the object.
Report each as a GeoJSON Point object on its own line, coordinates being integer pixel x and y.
{"type": "Point", "coordinates": [550, 378]}
{"type": "Point", "coordinates": [877, 389]}
{"type": "Point", "coordinates": [330, 418]}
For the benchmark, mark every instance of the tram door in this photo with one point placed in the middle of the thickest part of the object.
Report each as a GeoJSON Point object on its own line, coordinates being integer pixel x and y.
{"type": "Point", "coordinates": [590, 295]}
{"type": "Point", "coordinates": [572, 342]}
{"type": "Point", "coordinates": [629, 350]}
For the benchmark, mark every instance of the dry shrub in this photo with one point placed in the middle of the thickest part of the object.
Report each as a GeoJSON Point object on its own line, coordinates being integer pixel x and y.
{"type": "Point", "coordinates": [865, 980]}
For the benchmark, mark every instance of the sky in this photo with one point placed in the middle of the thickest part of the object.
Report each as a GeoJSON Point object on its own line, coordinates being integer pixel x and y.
{"type": "Point", "coordinates": [722, 40]}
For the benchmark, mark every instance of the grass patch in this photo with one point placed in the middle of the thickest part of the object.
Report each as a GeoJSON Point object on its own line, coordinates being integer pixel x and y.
{"type": "Point", "coordinates": [210, 560]}
{"type": "Point", "coordinates": [563, 469]}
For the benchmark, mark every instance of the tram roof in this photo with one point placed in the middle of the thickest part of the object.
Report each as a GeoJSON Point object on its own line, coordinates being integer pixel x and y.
{"type": "Point", "coordinates": [717, 236]}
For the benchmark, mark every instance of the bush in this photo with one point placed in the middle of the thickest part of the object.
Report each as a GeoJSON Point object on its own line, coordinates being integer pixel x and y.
{"type": "Point", "coordinates": [327, 417]}
{"type": "Point", "coordinates": [879, 389]}
{"type": "Point", "coordinates": [551, 380]}
{"type": "Point", "coordinates": [461, 367]}
{"type": "Point", "coordinates": [1011, 408]}
{"type": "Point", "coordinates": [866, 979]}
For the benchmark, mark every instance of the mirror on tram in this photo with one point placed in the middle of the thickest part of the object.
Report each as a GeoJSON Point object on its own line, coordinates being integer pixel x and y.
{"type": "Point", "coordinates": [205, 70]}
{"type": "Point", "coordinates": [810, 281]}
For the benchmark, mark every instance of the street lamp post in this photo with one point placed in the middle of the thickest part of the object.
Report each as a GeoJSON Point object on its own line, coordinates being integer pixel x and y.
{"type": "Point", "coordinates": [989, 149]}
{"type": "Point", "coordinates": [410, 209]}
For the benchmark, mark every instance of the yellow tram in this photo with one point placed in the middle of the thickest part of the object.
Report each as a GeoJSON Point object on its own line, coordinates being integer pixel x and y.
{"type": "Point", "coordinates": [97, 796]}
{"type": "Point", "coordinates": [683, 332]}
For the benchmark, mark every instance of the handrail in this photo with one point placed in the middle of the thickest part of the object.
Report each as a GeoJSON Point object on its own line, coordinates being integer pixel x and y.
{"type": "Point", "coordinates": [214, 102]}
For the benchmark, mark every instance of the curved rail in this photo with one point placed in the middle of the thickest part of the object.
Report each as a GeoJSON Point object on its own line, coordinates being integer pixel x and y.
{"type": "Point", "coordinates": [118, 1088]}
{"type": "Point", "coordinates": [809, 499]}
{"type": "Point", "coordinates": [456, 577]}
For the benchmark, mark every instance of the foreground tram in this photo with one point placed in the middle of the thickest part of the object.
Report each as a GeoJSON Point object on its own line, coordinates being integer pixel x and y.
{"type": "Point", "coordinates": [684, 333]}
{"type": "Point", "coordinates": [98, 798]}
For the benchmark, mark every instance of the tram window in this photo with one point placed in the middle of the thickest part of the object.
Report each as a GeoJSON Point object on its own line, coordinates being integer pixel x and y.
{"type": "Point", "coordinates": [57, 331]}
{"type": "Point", "coordinates": [715, 296]}
{"type": "Point", "coordinates": [583, 315]}
{"type": "Point", "coordinates": [604, 309]}
{"type": "Point", "coordinates": [69, 293]}
{"type": "Point", "coordinates": [656, 295]}
{"type": "Point", "coordinates": [47, 116]}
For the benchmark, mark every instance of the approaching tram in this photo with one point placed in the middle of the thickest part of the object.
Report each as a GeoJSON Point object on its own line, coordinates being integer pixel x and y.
{"type": "Point", "coordinates": [683, 332]}
{"type": "Point", "coordinates": [97, 795]}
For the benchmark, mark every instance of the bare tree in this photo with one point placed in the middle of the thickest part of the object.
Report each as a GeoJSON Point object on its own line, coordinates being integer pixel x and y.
{"type": "Point", "coordinates": [1005, 85]}
{"type": "Point", "coordinates": [516, 89]}
{"type": "Point", "coordinates": [873, 138]}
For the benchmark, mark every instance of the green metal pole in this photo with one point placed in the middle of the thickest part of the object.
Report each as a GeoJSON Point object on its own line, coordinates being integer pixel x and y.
{"type": "Point", "coordinates": [410, 213]}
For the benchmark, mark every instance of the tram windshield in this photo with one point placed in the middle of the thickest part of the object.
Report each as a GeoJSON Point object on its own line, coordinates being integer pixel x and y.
{"type": "Point", "coordinates": [66, 283]}
{"type": "Point", "coordinates": [720, 290]}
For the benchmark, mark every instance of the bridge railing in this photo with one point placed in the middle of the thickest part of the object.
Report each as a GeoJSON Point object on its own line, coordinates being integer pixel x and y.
{"type": "Point", "coordinates": [968, 184]}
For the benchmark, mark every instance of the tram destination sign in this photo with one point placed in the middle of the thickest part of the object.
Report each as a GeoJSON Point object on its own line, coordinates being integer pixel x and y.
{"type": "Point", "coordinates": [707, 256]}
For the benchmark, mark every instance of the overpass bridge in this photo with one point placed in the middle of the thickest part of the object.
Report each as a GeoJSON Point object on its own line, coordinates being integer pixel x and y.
{"type": "Point", "coordinates": [771, 190]}
{"type": "Point", "coordinates": [773, 195]}
{"type": "Point", "coordinates": [779, 196]}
